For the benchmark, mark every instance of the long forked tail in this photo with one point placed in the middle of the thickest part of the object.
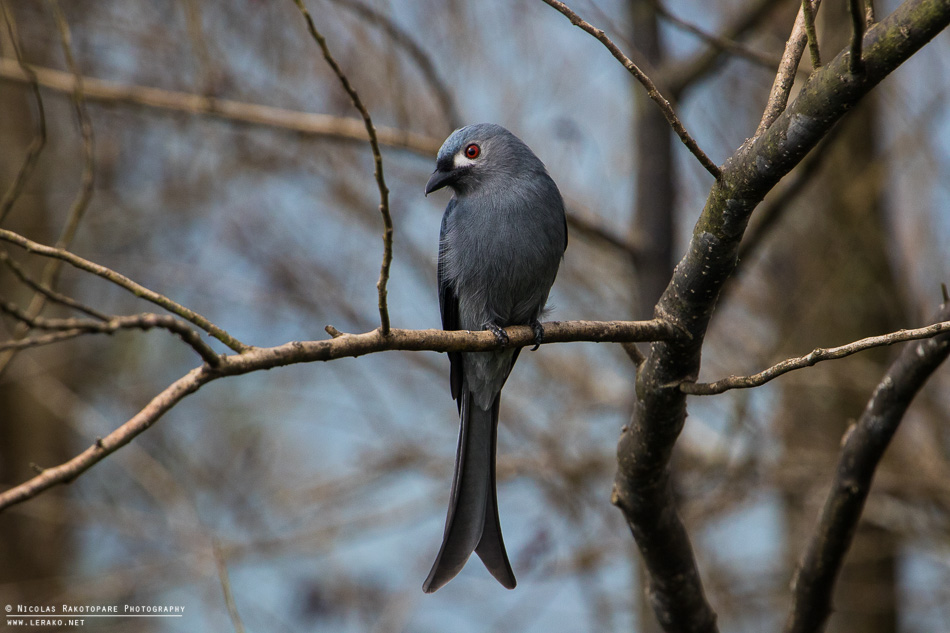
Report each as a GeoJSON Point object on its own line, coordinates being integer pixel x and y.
{"type": "Point", "coordinates": [472, 522]}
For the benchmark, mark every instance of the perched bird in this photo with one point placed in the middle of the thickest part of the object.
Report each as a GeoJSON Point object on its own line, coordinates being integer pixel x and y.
{"type": "Point", "coordinates": [503, 237]}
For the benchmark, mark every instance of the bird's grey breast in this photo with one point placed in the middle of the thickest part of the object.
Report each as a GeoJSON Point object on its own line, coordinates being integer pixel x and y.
{"type": "Point", "coordinates": [501, 247]}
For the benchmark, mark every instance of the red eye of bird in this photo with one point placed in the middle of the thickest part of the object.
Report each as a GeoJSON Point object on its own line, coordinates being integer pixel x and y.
{"type": "Point", "coordinates": [472, 151]}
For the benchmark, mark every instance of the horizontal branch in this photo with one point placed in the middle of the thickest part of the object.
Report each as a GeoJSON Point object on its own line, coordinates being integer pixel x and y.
{"type": "Point", "coordinates": [40, 340]}
{"type": "Point", "coordinates": [816, 356]}
{"type": "Point", "coordinates": [113, 324]}
{"type": "Point", "coordinates": [346, 128]}
{"type": "Point", "coordinates": [340, 346]}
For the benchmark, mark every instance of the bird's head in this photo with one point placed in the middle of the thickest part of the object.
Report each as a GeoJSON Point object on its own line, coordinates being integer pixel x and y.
{"type": "Point", "coordinates": [480, 153]}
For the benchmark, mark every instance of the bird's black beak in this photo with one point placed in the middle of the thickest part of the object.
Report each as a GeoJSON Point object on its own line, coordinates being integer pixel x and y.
{"type": "Point", "coordinates": [439, 179]}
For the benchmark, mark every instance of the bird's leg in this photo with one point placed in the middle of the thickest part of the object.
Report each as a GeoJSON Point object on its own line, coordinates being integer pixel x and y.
{"type": "Point", "coordinates": [538, 333]}
{"type": "Point", "coordinates": [499, 333]}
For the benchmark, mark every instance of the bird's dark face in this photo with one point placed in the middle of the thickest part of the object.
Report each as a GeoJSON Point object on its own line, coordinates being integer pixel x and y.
{"type": "Point", "coordinates": [475, 154]}
{"type": "Point", "coordinates": [459, 156]}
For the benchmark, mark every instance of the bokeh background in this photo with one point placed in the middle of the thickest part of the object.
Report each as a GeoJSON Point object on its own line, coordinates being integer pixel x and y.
{"type": "Point", "coordinates": [313, 497]}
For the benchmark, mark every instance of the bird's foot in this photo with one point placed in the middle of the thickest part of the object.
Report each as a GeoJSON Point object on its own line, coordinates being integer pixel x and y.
{"type": "Point", "coordinates": [538, 330]}
{"type": "Point", "coordinates": [499, 333]}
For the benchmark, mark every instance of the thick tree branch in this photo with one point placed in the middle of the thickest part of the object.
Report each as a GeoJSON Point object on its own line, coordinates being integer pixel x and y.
{"type": "Point", "coordinates": [816, 356]}
{"type": "Point", "coordinates": [377, 161]}
{"type": "Point", "coordinates": [647, 83]}
{"type": "Point", "coordinates": [863, 449]}
{"type": "Point", "coordinates": [341, 346]}
{"type": "Point", "coordinates": [241, 112]}
{"type": "Point", "coordinates": [642, 487]}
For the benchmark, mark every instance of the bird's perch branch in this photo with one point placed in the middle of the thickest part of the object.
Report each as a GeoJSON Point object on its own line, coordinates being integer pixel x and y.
{"type": "Point", "coordinates": [341, 346]}
{"type": "Point", "coordinates": [863, 449]}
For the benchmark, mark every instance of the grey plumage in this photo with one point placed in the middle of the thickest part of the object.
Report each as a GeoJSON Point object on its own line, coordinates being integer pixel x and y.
{"type": "Point", "coordinates": [503, 236]}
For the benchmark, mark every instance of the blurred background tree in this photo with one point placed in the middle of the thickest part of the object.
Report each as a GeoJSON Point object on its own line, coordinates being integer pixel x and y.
{"type": "Point", "coordinates": [313, 496]}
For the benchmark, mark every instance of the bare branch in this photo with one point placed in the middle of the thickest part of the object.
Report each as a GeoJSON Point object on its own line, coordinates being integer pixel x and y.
{"type": "Point", "coordinates": [39, 139]}
{"type": "Point", "coordinates": [302, 122]}
{"type": "Point", "coordinates": [68, 471]}
{"type": "Point", "coordinates": [647, 83]}
{"type": "Point", "coordinates": [864, 446]}
{"type": "Point", "coordinates": [140, 322]}
{"type": "Point", "coordinates": [52, 295]}
{"type": "Point", "coordinates": [378, 161]}
{"type": "Point", "coordinates": [40, 340]}
{"type": "Point", "coordinates": [858, 18]}
{"type": "Point", "coordinates": [816, 356]}
{"type": "Point", "coordinates": [785, 77]}
{"type": "Point", "coordinates": [342, 346]}
{"type": "Point", "coordinates": [809, 14]}
{"type": "Point", "coordinates": [124, 282]}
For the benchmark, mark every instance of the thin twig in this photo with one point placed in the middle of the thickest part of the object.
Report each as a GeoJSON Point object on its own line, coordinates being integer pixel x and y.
{"type": "Point", "coordinates": [816, 356]}
{"type": "Point", "coordinates": [403, 38]}
{"type": "Point", "coordinates": [50, 294]}
{"type": "Point", "coordinates": [124, 282]}
{"type": "Point", "coordinates": [785, 77]}
{"type": "Point", "coordinates": [812, 35]}
{"type": "Point", "coordinates": [346, 128]}
{"type": "Point", "coordinates": [864, 446]}
{"type": "Point", "coordinates": [647, 83]}
{"type": "Point", "coordinates": [39, 139]}
{"type": "Point", "coordinates": [858, 19]}
{"type": "Point", "coordinates": [80, 203]}
{"type": "Point", "coordinates": [145, 321]}
{"type": "Point", "coordinates": [225, 580]}
{"type": "Point", "coordinates": [722, 43]}
{"type": "Point", "coordinates": [40, 340]}
{"type": "Point", "coordinates": [682, 74]}
{"type": "Point", "coordinates": [378, 170]}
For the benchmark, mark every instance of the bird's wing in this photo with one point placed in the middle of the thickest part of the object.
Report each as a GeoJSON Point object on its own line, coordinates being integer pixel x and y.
{"type": "Point", "coordinates": [449, 305]}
